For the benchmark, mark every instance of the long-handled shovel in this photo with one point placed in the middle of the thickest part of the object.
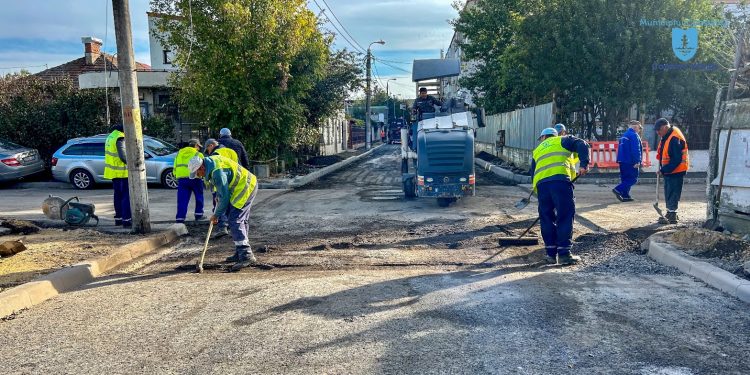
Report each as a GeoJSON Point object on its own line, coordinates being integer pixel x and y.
{"type": "Point", "coordinates": [662, 219]}
{"type": "Point", "coordinates": [199, 268]}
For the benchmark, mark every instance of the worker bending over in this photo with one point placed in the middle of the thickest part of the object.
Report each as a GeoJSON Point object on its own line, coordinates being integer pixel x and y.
{"type": "Point", "coordinates": [213, 147]}
{"type": "Point", "coordinates": [553, 169]}
{"type": "Point", "coordinates": [236, 188]}
{"type": "Point", "coordinates": [186, 186]}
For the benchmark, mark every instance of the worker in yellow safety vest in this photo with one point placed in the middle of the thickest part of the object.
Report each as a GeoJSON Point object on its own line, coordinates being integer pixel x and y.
{"type": "Point", "coordinates": [213, 147]}
{"type": "Point", "coordinates": [236, 188]}
{"type": "Point", "coordinates": [553, 169]}
{"type": "Point", "coordinates": [116, 169]}
{"type": "Point", "coordinates": [185, 185]}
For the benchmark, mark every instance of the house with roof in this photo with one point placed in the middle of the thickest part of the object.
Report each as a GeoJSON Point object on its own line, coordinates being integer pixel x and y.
{"type": "Point", "coordinates": [96, 69]}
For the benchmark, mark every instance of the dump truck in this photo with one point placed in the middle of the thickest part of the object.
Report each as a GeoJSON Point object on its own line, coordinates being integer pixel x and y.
{"type": "Point", "coordinates": [440, 145]}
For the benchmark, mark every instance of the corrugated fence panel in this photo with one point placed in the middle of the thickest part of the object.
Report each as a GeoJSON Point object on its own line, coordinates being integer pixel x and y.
{"type": "Point", "coordinates": [522, 127]}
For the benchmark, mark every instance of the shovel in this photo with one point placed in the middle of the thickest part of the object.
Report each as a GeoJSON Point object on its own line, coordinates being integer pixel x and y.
{"type": "Point", "coordinates": [713, 223]}
{"type": "Point", "coordinates": [199, 268]}
{"type": "Point", "coordinates": [521, 240]}
{"type": "Point", "coordinates": [662, 219]}
{"type": "Point", "coordinates": [524, 202]}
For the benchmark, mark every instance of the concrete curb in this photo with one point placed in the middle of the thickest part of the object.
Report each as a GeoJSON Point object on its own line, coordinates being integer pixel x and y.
{"type": "Point", "coordinates": [502, 172]}
{"type": "Point", "coordinates": [718, 278]}
{"type": "Point", "coordinates": [35, 292]}
{"type": "Point", "coordinates": [314, 176]}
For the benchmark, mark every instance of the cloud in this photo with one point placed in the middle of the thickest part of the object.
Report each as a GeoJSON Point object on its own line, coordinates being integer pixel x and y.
{"type": "Point", "coordinates": [38, 32]}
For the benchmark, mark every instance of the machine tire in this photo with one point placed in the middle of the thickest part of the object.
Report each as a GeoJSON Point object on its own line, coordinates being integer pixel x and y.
{"type": "Point", "coordinates": [82, 179]}
{"type": "Point", "coordinates": [168, 180]}
{"type": "Point", "coordinates": [410, 188]}
{"type": "Point", "coordinates": [444, 202]}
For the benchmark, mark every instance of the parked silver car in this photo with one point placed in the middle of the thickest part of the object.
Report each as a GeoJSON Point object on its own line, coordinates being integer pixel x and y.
{"type": "Point", "coordinates": [81, 162]}
{"type": "Point", "coordinates": [17, 161]}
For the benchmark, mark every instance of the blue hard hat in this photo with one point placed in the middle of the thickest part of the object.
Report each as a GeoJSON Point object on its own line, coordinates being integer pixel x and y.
{"type": "Point", "coordinates": [548, 131]}
{"type": "Point", "coordinates": [560, 128]}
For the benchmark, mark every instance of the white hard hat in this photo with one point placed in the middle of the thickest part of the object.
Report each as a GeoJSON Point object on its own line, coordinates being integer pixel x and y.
{"type": "Point", "coordinates": [193, 165]}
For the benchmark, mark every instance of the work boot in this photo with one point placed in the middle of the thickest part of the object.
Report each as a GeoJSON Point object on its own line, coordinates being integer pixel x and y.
{"type": "Point", "coordinates": [550, 260]}
{"type": "Point", "coordinates": [201, 219]}
{"type": "Point", "coordinates": [220, 232]}
{"type": "Point", "coordinates": [232, 259]}
{"type": "Point", "coordinates": [672, 217]}
{"type": "Point", "coordinates": [567, 259]}
{"type": "Point", "coordinates": [627, 199]}
{"type": "Point", "coordinates": [245, 260]}
{"type": "Point", "coordinates": [118, 222]}
{"type": "Point", "coordinates": [618, 195]}
{"type": "Point", "coordinates": [127, 224]}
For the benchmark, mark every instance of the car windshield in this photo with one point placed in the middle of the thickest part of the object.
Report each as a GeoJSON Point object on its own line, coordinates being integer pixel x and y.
{"type": "Point", "coordinates": [158, 147]}
{"type": "Point", "coordinates": [8, 146]}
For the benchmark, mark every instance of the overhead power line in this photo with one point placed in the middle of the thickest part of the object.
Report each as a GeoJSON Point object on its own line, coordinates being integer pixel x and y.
{"type": "Point", "coordinates": [352, 43]}
{"type": "Point", "coordinates": [24, 67]}
{"type": "Point", "coordinates": [391, 65]}
{"type": "Point", "coordinates": [342, 25]}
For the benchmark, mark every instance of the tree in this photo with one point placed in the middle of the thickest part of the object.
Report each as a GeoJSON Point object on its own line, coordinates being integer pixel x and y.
{"type": "Point", "coordinates": [592, 57]}
{"type": "Point", "coordinates": [245, 64]}
{"type": "Point", "coordinates": [44, 114]}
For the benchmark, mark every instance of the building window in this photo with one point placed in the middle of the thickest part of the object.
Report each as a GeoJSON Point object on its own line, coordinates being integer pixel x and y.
{"type": "Point", "coordinates": [167, 59]}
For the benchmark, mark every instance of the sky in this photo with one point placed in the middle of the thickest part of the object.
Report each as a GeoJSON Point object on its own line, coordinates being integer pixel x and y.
{"type": "Point", "coordinates": [38, 32]}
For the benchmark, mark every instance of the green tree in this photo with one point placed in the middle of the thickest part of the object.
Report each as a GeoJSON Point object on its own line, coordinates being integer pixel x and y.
{"type": "Point", "coordinates": [592, 57]}
{"type": "Point", "coordinates": [245, 64]}
{"type": "Point", "coordinates": [44, 114]}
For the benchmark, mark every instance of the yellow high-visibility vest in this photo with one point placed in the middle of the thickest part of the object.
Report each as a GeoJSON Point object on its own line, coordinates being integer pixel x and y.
{"type": "Point", "coordinates": [227, 153]}
{"type": "Point", "coordinates": [180, 166]}
{"type": "Point", "coordinates": [551, 159]}
{"type": "Point", "coordinates": [113, 166]}
{"type": "Point", "coordinates": [243, 182]}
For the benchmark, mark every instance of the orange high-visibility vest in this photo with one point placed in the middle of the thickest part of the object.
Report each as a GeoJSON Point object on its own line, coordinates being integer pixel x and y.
{"type": "Point", "coordinates": [662, 153]}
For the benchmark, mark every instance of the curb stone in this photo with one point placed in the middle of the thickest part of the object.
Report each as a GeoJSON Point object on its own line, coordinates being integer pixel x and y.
{"type": "Point", "coordinates": [502, 172]}
{"type": "Point", "coordinates": [314, 176]}
{"type": "Point", "coordinates": [718, 278]}
{"type": "Point", "coordinates": [37, 291]}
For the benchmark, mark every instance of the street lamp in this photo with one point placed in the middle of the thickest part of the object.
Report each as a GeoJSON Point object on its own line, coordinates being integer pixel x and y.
{"type": "Point", "coordinates": [368, 129]}
{"type": "Point", "coordinates": [388, 94]}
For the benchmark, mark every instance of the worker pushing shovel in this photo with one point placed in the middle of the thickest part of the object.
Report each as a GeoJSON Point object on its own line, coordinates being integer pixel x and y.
{"type": "Point", "coordinates": [554, 173]}
{"type": "Point", "coordinates": [236, 189]}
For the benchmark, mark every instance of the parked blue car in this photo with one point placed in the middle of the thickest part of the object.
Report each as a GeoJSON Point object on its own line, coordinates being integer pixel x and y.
{"type": "Point", "coordinates": [81, 162]}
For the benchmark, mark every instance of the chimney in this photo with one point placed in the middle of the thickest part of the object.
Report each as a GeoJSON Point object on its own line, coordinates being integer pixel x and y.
{"type": "Point", "coordinates": [92, 48]}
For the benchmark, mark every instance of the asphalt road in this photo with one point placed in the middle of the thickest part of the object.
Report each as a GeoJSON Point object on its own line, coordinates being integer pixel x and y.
{"type": "Point", "coordinates": [368, 282]}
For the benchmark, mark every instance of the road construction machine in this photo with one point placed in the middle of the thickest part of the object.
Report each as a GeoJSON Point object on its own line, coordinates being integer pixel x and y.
{"type": "Point", "coordinates": [440, 144]}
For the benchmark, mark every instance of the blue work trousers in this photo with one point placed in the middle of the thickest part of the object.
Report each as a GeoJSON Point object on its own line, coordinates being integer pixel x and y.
{"type": "Point", "coordinates": [121, 201]}
{"type": "Point", "coordinates": [238, 225]}
{"type": "Point", "coordinates": [185, 188]}
{"type": "Point", "coordinates": [557, 209]}
{"type": "Point", "coordinates": [628, 178]}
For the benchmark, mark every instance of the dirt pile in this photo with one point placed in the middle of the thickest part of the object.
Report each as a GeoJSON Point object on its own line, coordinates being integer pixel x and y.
{"type": "Point", "coordinates": [724, 251]}
{"type": "Point", "coordinates": [19, 226]}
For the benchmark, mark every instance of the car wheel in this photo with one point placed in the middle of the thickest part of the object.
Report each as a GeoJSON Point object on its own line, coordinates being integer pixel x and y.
{"type": "Point", "coordinates": [81, 179]}
{"type": "Point", "coordinates": [168, 180]}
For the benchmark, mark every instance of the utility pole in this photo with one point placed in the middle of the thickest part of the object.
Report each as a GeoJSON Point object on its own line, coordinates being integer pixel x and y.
{"type": "Point", "coordinates": [368, 95]}
{"type": "Point", "coordinates": [131, 118]}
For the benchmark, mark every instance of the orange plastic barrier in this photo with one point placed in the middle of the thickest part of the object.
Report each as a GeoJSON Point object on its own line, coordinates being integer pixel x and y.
{"type": "Point", "coordinates": [603, 155]}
